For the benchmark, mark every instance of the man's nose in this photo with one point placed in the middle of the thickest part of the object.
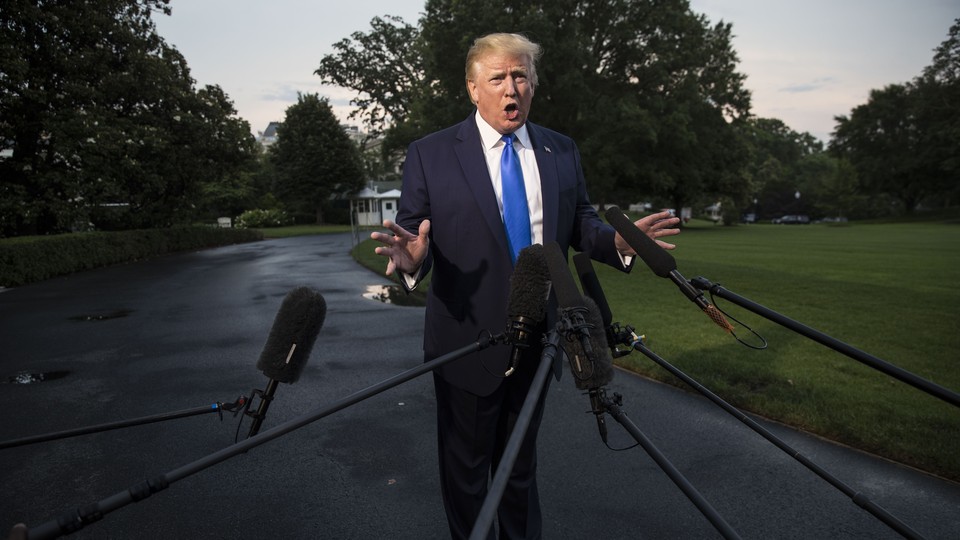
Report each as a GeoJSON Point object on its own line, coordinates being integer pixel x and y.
{"type": "Point", "coordinates": [511, 86]}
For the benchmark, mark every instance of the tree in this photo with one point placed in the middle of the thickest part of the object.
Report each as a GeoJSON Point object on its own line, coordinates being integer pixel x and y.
{"type": "Point", "coordinates": [780, 163]}
{"type": "Point", "coordinates": [100, 120]}
{"type": "Point", "coordinates": [224, 153]}
{"type": "Point", "coordinates": [938, 110]}
{"type": "Point", "coordinates": [383, 66]}
{"type": "Point", "coordinates": [882, 140]}
{"type": "Point", "coordinates": [313, 157]}
{"type": "Point", "coordinates": [905, 141]}
{"type": "Point", "coordinates": [635, 83]}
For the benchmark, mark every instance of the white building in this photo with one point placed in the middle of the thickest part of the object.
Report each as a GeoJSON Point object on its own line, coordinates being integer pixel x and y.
{"type": "Point", "coordinates": [368, 208]}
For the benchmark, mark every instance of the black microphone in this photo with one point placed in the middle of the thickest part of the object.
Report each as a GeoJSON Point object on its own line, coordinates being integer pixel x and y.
{"type": "Point", "coordinates": [572, 308]}
{"type": "Point", "coordinates": [288, 346]}
{"type": "Point", "coordinates": [527, 306]}
{"type": "Point", "coordinates": [593, 291]}
{"type": "Point", "coordinates": [662, 263]}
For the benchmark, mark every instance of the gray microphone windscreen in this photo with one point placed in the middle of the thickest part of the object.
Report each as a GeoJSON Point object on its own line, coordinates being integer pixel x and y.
{"type": "Point", "coordinates": [595, 370]}
{"type": "Point", "coordinates": [294, 331]}
{"type": "Point", "coordinates": [529, 286]}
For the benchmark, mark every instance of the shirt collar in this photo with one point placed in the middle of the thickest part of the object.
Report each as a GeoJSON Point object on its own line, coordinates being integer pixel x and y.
{"type": "Point", "coordinates": [491, 137]}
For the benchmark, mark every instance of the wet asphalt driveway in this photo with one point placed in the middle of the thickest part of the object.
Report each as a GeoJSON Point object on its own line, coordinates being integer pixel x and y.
{"type": "Point", "coordinates": [185, 331]}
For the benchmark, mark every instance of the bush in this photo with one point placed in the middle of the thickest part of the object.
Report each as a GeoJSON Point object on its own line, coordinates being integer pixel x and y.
{"type": "Point", "coordinates": [30, 259]}
{"type": "Point", "coordinates": [260, 219]}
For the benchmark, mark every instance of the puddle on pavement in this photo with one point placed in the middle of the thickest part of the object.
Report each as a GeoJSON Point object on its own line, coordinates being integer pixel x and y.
{"type": "Point", "coordinates": [107, 315]}
{"type": "Point", "coordinates": [31, 378]}
{"type": "Point", "coordinates": [394, 294]}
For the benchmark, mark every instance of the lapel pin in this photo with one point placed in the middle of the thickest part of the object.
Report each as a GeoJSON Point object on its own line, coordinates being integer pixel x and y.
{"type": "Point", "coordinates": [547, 148]}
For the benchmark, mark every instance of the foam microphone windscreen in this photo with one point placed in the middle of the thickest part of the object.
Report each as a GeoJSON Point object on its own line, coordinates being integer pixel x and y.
{"type": "Point", "coordinates": [657, 258]}
{"type": "Point", "coordinates": [596, 369]}
{"type": "Point", "coordinates": [294, 331]}
{"type": "Point", "coordinates": [529, 286]}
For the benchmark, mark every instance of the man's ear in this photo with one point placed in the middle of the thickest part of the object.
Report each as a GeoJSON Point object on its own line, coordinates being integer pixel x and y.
{"type": "Point", "coordinates": [472, 90]}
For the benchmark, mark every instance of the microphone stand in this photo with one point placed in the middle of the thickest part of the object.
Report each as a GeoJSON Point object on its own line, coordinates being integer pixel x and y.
{"type": "Point", "coordinates": [628, 337]}
{"type": "Point", "coordinates": [75, 520]}
{"type": "Point", "coordinates": [217, 407]}
{"type": "Point", "coordinates": [905, 376]}
{"type": "Point", "coordinates": [612, 406]}
{"type": "Point", "coordinates": [499, 484]}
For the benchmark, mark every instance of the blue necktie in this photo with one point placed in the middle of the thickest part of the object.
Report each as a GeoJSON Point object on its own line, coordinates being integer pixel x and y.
{"type": "Point", "coordinates": [516, 217]}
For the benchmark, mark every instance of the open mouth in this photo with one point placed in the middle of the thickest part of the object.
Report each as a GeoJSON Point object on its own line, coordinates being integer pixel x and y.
{"type": "Point", "coordinates": [512, 111]}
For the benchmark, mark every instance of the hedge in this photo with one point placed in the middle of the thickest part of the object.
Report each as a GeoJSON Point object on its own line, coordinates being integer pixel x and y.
{"type": "Point", "coordinates": [30, 259]}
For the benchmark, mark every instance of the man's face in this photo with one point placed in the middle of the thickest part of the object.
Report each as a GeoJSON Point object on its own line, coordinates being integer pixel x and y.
{"type": "Point", "coordinates": [501, 90]}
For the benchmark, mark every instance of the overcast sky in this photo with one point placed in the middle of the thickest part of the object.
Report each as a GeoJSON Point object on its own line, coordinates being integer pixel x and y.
{"type": "Point", "coordinates": [805, 61]}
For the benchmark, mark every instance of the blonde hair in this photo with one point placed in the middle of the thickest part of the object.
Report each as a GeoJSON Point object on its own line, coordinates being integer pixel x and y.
{"type": "Point", "coordinates": [513, 44]}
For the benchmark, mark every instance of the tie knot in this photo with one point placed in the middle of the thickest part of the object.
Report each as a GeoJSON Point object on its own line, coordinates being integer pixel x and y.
{"type": "Point", "coordinates": [508, 138]}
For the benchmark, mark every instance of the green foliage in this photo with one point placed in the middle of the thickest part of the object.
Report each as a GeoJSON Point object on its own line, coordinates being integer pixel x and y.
{"type": "Point", "coordinates": [257, 219]}
{"type": "Point", "coordinates": [29, 259]}
{"type": "Point", "coordinates": [904, 141]}
{"type": "Point", "coordinates": [313, 157]}
{"type": "Point", "coordinates": [99, 112]}
{"type": "Point", "coordinates": [635, 83]}
{"type": "Point", "coordinates": [383, 66]}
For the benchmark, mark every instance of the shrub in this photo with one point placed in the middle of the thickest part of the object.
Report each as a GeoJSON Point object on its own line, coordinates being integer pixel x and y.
{"type": "Point", "coordinates": [29, 259]}
{"type": "Point", "coordinates": [259, 219]}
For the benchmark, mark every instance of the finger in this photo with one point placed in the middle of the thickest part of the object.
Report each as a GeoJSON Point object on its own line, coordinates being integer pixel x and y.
{"type": "Point", "coordinates": [397, 230]}
{"type": "Point", "coordinates": [666, 232]}
{"type": "Point", "coordinates": [665, 245]}
{"type": "Point", "coordinates": [424, 228]}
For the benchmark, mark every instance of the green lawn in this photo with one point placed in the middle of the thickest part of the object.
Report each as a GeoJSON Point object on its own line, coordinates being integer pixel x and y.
{"type": "Point", "coordinates": [890, 290]}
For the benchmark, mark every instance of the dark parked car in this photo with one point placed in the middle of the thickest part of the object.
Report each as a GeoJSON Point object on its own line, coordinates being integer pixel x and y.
{"type": "Point", "coordinates": [792, 219]}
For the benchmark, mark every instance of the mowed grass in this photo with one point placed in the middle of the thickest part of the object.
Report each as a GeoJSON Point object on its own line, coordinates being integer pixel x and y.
{"type": "Point", "coordinates": [887, 289]}
{"type": "Point", "coordinates": [890, 290]}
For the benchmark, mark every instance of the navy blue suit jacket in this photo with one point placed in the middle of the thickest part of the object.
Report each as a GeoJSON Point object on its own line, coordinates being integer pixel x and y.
{"type": "Point", "coordinates": [445, 180]}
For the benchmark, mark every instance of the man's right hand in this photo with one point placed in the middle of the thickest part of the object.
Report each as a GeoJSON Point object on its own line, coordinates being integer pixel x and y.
{"type": "Point", "coordinates": [404, 250]}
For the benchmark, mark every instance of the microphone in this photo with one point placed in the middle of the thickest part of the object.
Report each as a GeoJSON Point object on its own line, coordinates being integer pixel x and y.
{"type": "Point", "coordinates": [288, 346]}
{"type": "Point", "coordinates": [588, 354]}
{"type": "Point", "coordinates": [527, 306]}
{"type": "Point", "coordinates": [572, 308]}
{"type": "Point", "coordinates": [594, 368]}
{"type": "Point", "coordinates": [662, 263]}
{"type": "Point", "coordinates": [593, 291]}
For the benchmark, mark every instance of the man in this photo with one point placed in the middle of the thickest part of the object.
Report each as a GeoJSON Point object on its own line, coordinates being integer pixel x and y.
{"type": "Point", "coordinates": [452, 215]}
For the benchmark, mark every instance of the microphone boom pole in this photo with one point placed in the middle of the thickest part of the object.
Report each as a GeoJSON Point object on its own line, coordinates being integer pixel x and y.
{"type": "Point", "coordinates": [872, 361]}
{"type": "Point", "coordinates": [858, 498]}
{"type": "Point", "coordinates": [668, 468]}
{"type": "Point", "coordinates": [512, 449]}
{"type": "Point", "coordinates": [74, 521]}
{"type": "Point", "coordinates": [217, 407]}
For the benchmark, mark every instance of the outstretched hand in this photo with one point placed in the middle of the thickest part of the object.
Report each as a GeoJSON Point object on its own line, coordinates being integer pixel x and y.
{"type": "Point", "coordinates": [405, 251]}
{"type": "Point", "coordinates": [655, 226]}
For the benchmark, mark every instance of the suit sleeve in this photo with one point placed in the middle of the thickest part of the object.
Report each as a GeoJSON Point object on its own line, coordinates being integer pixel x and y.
{"type": "Point", "coordinates": [591, 235]}
{"type": "Point", "coordinates": [414, 208]}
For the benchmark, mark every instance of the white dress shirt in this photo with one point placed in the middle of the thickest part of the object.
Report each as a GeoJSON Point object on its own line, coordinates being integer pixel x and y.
{"type": "Point", "coordinates": [492, 149]}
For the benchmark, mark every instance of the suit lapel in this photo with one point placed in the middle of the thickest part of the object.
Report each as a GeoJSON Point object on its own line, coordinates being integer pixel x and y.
{"type": "Point", "coordinates": [469, 150]}
{"type": "Point", "coordinates": [549, 181]}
